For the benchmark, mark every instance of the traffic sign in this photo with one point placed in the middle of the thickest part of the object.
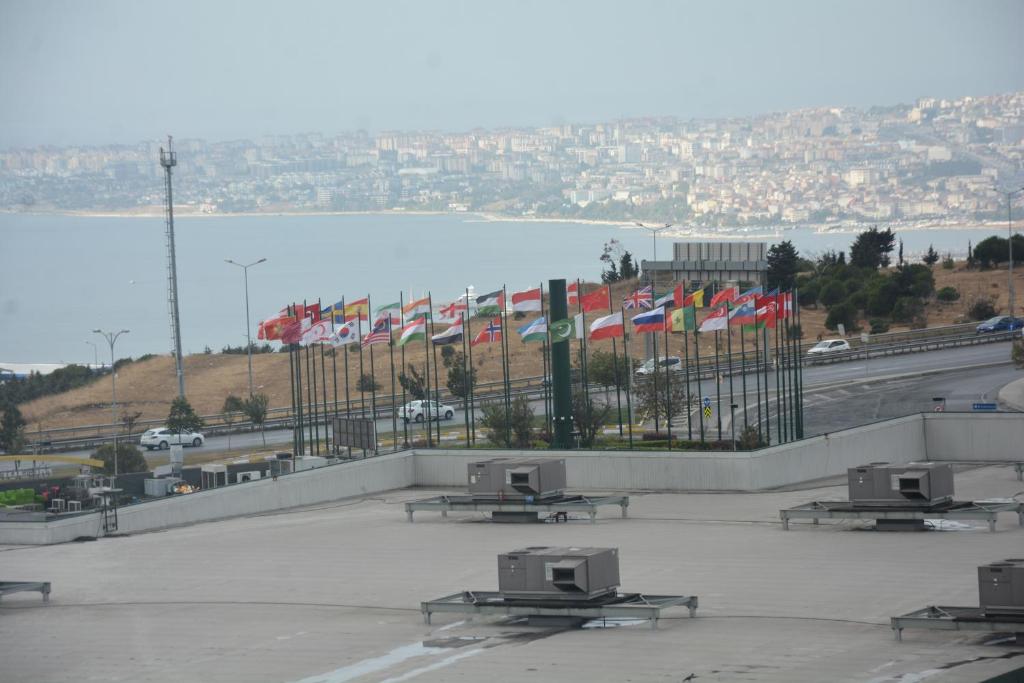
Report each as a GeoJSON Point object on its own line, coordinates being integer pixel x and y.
{"type": "Point", "coordinates": [983, 406]}
{"type": "Point", "coordinates": [707, 412]}
{"type": "Point", "coordinates": [707, 401]}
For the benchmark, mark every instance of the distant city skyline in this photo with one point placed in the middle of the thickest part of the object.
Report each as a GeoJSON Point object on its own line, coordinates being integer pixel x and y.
{"type": "Point", "coordinates": [123, 72]}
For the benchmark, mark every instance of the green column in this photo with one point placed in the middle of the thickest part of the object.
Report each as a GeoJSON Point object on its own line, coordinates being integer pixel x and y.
{"type": "Point", "coordinates": [560, 376]}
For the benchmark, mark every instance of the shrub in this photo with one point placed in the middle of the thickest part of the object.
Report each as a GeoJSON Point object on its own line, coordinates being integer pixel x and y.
{"type": "Point", "coordinates": [844, 314]}
{"type": "Point", "coordinates": [981, 308]}
{"type": "Point", "coordinates": [878, 326]}
{"type": "Point", "coordinates": [907, 309]}
{"type": "Point", "coordinates": [517, 432]}
{"type": "Point", "coordinates": [367, 382]}
{"type": "Point", "coordinates": [832, 292]}
{"type": "Point", "coordinates": [129, 458]}
{"type": "Point", "coordinates": [947, 263]}
{"type": "Point", "coordinates": [947, 294]}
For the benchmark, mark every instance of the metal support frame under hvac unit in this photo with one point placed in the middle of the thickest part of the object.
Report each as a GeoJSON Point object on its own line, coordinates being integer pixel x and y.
{"type": "Point", "coordinates": [841, 509]}
{"type": "Point", "coordinates": [559, 508]}
{"type": "Point", "coordinates": [8, 587]}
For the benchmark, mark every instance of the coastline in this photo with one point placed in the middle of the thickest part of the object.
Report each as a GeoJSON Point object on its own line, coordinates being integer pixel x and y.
{"type": "Point", "coordinates": [719, 232]}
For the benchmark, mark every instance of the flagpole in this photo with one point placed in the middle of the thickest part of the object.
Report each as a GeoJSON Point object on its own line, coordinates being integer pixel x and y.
{"type": "Point", "coordinates": [718, 380]}
{"type": "Point", "coordinates": [793, 349]}
{"type": "Point", "coordinates": [405, 420]}
{"type": "Point", "coordinates": [373, 366]}
{"type": "Point", "coordinates": [700, 391]}
{"type": "Point", "coordinates": [437, 382]}
{"type": "Point", "coordinates": [757, 375]}
{"type": "Point", "coordinates": [466, 378]}
{"type": "Point", "coordinates": [780, 433]}
{"type": "Point", "coordinates": [323, 377]}
{"type": "Point", "coordinates": [334, 375]}
{"type": "Point", "coordinates": [426, 380]}
{"type": "Point", "coordinates": [472, 385]}
{"type": "Point", "coordinates": [291, 387]}
{"type": "Point", "coordinates": [360, 384]}
{"type": "Point", "coordinates": [505, 365]}
{"type": "Point", "coordinates": [629, 375]}
{"type": "Point", "coordinates": [348, 397]}
{"type": "Point", "coordinates": [767, 377]}
{"type": "Point", "coordinates": [391, 359]}
{"type": "Point", "coordinates": [743, 365]}
{"type": "Point", "coordinates": [668, 386]}
{"type": "Point", "coordinates": [799, 367]}
{"type": "Point", "coordinates": [584, 375]}
{"type": "Point", "coordinates": [728, 341]}
{"type": "Point", "coordinates": [311, 392]}
{"type": "Point", "coordinates": [615, 364]}
{"type": "Point", "coordinates": [686, 356]}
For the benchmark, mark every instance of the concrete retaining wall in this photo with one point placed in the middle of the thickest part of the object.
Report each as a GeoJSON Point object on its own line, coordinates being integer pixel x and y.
{"type": "Point", "coordinates": [974, 436]}
{"type": "Point", "coordinates": [900, 440]}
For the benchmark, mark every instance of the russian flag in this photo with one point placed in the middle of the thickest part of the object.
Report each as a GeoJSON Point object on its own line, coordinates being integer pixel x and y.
{"type": "Point", "coordinates": [744, 314]}
{"type": "Point", "coordinates": [651, 321]}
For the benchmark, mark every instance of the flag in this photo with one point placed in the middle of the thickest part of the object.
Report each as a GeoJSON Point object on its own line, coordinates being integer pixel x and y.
{"type": "Point", "coordinates": [271, 329]}
{"type": "Point", "coordinates": [393, 311]}
{"type": "Point", "coordinates": [450, 336]}
{"type": "Point", "coordinates": [318, 332]}
{"type": "Point", "coordinates": [529, 300]}
{"type": "Point", "coordinates": [347, 333]}
{"type": "Point", "coordinates": [418, 308]}
{"type": "Point", "coordinates": [534, 331]}
{"type": "Point", "coordinates": [651, 321]}
{"type": "Point", "coordinates": [380, 334]}
{"type": "Point", "coordinates": [727, 294]}
{"type": "Point", "coordinates": [744, 314]}
{"type": "Point", "coordinates": [784, 305]}
{"type": "Point", "coordinates": [684, 319]}
{"type": "Point", "coordinates": [718, 320]}
{"type": "Point", "coordinates": [765, 315]}
{"type": "Point", "coordinates": [573, 293]}
{"type": "Point", "coordinates": [695, 299]}
{"type": "Point", "coordinates": [293, 331]}
{"type": "Point", "coordinates": [417, 329]}
{"type": "Point", "coordinates": [491, 333]}
{"type": "Point", "coordinates": [451, 312]}
{"type": "Point", "coordinates": [359, 309]}
{"type": "Point", "coordinates": [641, 298]}
{"type": "Point", "coordinates": [608, 327]}
{"type": "Point", "coordinates": [672, 298]}
{"type": "Point", "coordinates": [490, 304]}
{"type": "Point", "coordinates": [564, 330]}
{"type": "Point", "coordinates": [334, 312]}
{"type": "Point", "coordinates": [311, 311]}
{"type": "Point", "coordinates": [746, 296]}
{"type": "Point", "coordinates": [596, 300]}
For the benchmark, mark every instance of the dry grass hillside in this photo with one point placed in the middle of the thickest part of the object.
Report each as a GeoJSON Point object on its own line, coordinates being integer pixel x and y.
{"type": "Point", "coordinates": [148, 387]}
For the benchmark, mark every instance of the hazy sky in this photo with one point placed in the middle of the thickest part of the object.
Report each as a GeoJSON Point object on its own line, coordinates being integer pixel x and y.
{"type": "Point", "coordinates": [123, 71]}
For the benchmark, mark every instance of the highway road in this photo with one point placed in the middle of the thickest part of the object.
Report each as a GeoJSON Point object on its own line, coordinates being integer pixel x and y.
{"type": "Point", "coordinates": [836, 395]}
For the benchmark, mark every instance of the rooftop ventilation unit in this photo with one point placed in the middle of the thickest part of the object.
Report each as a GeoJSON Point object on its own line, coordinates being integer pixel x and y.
{"type": "Point", "coordinates": [511, 479]}
{"type": "Point", "coordinates": [912, 485]}
{"type": "Point", "coordinates": [1001, 587]}
{"type": "Point", "coordinates": [547, 573]}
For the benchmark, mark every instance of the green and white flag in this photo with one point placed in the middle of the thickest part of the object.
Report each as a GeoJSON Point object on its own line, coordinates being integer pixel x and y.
{"type": "Point", "coordinates": [564, 330]}
{"type": "Point", "coordinates": [417, 329]}
{"type": "Point", "coordinates": [534, 331]}
{"type": "Point", "coordinates": [490, 304]}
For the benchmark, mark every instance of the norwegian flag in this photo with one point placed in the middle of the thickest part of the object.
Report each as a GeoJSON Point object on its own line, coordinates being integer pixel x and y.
{"type": "Point", "coordinates": [491, 333]}
{"type": "Point", "coordinates": [641, 298]}
{"type": "Point", "coordinates": [381, 333]}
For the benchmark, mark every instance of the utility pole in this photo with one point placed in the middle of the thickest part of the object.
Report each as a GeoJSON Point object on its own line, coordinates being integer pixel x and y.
{"type": "Point", "coordinates": [168, 159]}
{"type": "Point", "coordinates": [248, 339]}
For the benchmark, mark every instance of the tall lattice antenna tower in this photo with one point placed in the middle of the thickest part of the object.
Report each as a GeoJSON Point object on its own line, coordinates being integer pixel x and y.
{"type": "Point", "coordinates": [168, 159]}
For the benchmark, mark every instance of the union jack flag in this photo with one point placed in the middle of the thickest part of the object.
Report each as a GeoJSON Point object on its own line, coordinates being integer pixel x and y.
{"type": "Point", "coordinates": [641, 298]}
{"type": "Point", "coordinates": [491, 333]}
{"type": "Point", "coordinates": [381, 333]}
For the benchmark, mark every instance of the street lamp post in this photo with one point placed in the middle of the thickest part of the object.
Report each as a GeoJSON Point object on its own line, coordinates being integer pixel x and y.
{"type": "Point", "coordinates": [248, 339]}
{"type": "Point", "coordinates": [1009, 234]}
{"type": "Point", "coordinates": [111, 337]}
{"type": "Point", "coordinates": [654, 234]}
{"type": "Point", "coordinates": [95, 353]}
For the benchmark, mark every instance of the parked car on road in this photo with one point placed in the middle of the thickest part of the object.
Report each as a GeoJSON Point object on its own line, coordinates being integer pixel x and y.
{"type": "Point", "coordinates": [416, 411]}
{"type": "Point", "coordinates": [164, 438]}
{"type": "Point", "coordinates": [668, 363]}
{"type": "Point", "coordinates": [828, 346]}
{"type": "Point", "coordinates": [1000, 323]}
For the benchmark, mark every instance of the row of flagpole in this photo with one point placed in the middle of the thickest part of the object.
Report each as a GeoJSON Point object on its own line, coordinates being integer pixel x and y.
{"type": "Point", "coordinates": [785, 354]}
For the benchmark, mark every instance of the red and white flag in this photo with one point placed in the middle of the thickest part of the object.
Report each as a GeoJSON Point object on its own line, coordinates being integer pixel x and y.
{"type": "Point", "coordinates": [718, 320]}
{"type": "Point", "coordinates": [529, 300]}
{"type": "Point", "coordinates": [608, 327]}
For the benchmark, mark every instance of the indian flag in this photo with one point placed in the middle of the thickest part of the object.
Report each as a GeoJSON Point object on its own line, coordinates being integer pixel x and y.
{"type": "Point", "coordinates": [418, 307]}
{"type": "Point", "coordinates": [534, 331]}
{"type": "Point", "coordinates": [417, 329]}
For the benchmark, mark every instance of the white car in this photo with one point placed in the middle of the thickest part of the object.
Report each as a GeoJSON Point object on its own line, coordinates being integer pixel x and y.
{"type": "Point", "coordinates": [829, 346]}
{"type": "Point", "coordinates": [416, 411]}
{"type": "Point", "coordinates": [668, 363]}
{"type": "Point", "coordinates": [164, 438]}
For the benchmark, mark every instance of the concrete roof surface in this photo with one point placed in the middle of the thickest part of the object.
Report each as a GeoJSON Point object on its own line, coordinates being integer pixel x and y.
{"type": "Point", "coordinates": [331, 594]}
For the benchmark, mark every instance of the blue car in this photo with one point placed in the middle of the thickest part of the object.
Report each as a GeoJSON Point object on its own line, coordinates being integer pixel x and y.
{"type": "Point", "coordinates": [1000, 323]}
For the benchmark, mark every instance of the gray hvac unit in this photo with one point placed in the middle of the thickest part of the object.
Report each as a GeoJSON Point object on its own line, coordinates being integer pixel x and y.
{"type": "Point", "coordinates": [1001, 587]}
{"type": "Point", "coordinates": [918, 484]}
{"type": "Point", "coordinates": [509, 478]}
{"type": "Point", "coordinates": [558, 573]}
